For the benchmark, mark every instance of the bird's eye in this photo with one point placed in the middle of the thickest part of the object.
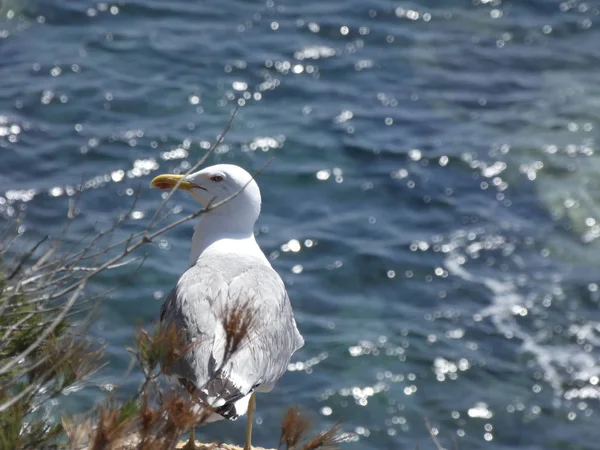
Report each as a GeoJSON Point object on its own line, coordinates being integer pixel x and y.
{"type": "Point", "coordinates": [216, 178]}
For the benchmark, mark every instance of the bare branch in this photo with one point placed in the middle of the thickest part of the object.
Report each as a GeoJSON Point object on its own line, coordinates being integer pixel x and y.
{"type": "Point", "coordinates": [26, 257]}
{"type": "Point", "coordinates": [194, 167]}
{"type": "Point", "coordinates": [15, 360]}
{"type": "Point", "coordinates": [433, 436]}
{"type": "Point", "coordinates": [13, 327]}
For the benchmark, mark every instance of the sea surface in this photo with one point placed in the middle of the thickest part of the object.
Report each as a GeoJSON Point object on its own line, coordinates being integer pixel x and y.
{"type": "Point", "coordinates": [433, 205]}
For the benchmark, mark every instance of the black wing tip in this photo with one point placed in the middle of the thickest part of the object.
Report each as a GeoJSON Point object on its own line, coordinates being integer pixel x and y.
{"type": "Point", "coordinates": [227, 411]}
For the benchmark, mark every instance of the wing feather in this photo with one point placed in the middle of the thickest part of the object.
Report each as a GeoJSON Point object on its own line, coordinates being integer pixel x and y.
{"type": "Point", "coordinates": [196, 307]}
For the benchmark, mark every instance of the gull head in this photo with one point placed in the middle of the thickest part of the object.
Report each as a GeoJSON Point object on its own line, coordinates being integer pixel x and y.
{"type": "Point", "coordinates": [215, 184]}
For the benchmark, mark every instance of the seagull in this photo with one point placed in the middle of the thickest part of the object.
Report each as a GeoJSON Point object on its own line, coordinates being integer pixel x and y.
{"type": "Point", "coordinates": [227, 269]}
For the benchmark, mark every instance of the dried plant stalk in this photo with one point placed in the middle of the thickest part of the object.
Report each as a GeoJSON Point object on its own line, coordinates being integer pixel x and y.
{"type": "Point", "coordinates": [327, 440]}
{"type": "Point", "coordinates": [294, 427]}
{"type": "Point", "coordinates": [238, 320]}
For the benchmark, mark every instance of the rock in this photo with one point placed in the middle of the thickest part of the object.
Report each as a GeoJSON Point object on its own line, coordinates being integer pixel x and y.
{"type": "Point", "coordinates": [215, 446]}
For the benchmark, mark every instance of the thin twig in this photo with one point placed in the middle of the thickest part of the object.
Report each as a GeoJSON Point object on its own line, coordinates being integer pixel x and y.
{"type": "Point", "coordinates": [433, 436]}
{"type": "Point", "coordinates": [15, 360]}
{"type": "Point", "coordinates": [26, 257]}
{"type": "Point", "coordinates": [195, 167]}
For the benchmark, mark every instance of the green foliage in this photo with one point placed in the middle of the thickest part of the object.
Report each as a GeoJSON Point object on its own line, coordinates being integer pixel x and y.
{"type": "Point", "coordinates": [56, 363]}
{"type": "Point", "coordinates": [17, 322]}
{"type": "Point", "coordinates": [129, 410]}
{"type": "Point", "coordinates": [11, 422]}
{"type": "Point", "coordinates": [20, 428]}
{"type": "Point", "coordinates": [161, 348]}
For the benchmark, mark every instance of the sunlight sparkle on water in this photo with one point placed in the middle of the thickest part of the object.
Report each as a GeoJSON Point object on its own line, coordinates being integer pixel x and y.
{"type": "Point", "coordinates": [264, 143]}
{"type": "Point", "coordinates": [480, 411]}
{"type": "Point", "coordinates": [315, 52]}
{"type": "Point", "coordinates": [293, 245]}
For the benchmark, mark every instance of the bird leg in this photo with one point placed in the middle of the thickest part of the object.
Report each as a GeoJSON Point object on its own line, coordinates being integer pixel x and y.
{"type": "Point", "coordinates": [191, 443]}
{"type": "Point", "coordinates": [251, 408]}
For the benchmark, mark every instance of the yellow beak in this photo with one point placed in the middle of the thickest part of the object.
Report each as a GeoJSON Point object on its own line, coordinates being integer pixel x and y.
{"type": "Point", "coordinates": [169, 181]}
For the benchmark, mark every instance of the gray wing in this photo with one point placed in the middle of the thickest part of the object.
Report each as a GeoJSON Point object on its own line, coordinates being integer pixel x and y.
{"type": "Point", "coordinates": [196, 307]}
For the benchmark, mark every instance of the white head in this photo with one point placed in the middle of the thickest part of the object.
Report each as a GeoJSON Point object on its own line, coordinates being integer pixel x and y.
{"type": "Point", "coordinates": [216, 183]}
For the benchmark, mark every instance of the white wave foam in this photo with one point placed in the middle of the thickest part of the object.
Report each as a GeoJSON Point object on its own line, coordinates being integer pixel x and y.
{"type": "Point", "coordinates": [561, 364]}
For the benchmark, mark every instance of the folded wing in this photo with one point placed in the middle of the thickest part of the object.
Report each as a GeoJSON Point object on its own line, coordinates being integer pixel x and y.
{"type": "Point", "coordinates": [203, 304]}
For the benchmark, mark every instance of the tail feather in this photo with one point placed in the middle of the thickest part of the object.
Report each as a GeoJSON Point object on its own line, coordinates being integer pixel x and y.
{"type": "Point", "coordinates": [221, 394]}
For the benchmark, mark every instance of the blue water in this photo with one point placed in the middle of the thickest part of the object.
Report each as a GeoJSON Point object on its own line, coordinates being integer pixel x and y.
{"type": "Point", "coordinates": [433, 205]}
